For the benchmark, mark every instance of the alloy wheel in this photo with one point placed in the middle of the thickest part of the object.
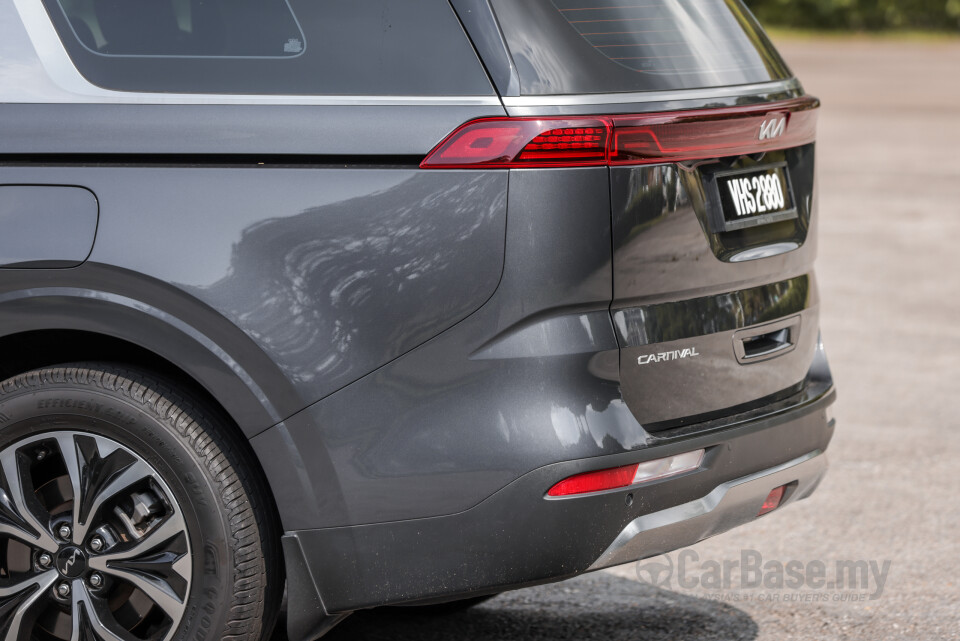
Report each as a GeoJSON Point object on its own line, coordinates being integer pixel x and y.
{"type": "Point", "coordinates": [93, 544]}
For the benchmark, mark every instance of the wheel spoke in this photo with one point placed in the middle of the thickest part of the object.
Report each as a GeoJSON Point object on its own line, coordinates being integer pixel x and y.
{"type": "Point", "coordinates": [21, 504]}
{"type": "Point", "coordinates": [16, 600]}
{"type": "Point", "coordinates": [11, 523]}
{"type": "Point", "coordinates": [96, 478]}
{"type": "Point", "coordinates": [153, 565]}
{"type": "Point", "coordinates": [136, 471]}
{"type": "Point", "coordinates": [74, 464]}
{"type": "Point", "coordinates": [8, 589]}
{"type": "Point", "coordinates": [91, 622]}
{"type": "Point", "coordinates": [158, 590]}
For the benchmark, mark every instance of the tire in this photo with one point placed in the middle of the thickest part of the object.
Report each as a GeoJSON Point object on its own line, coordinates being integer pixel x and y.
{"type": "Point", "coordinates": [175, 536]}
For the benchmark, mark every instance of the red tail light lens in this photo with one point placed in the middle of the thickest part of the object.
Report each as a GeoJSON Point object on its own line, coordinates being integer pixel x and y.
{"type": "Point", "coordinates": [568, 143]}
{"type": "Point", "coordinates": [627, 140]}
{"type": "Point", "coordinates": [713, 133]}
{"type": "Point", "coordinates": [522, 142]}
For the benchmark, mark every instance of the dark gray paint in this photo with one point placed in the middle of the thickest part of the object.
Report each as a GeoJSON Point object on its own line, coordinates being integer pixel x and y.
{"type": "Point", "coordinates": [480, 23]}
{"type": "Point", "coordinates": [46, 226]}
{"type": "Point", "coordinates": [144, 312]}
{"type": "Point", "coordinates": [516, 538]}
{"type": "Point", "coordinates": [370, 265]}
{"type": "Point", "coordinates": [441, 428]}
{"type": "Point", "coordinates": [247, 130]}
{"type": "Point", "coordinates": [330, 273]}
{"type": "Point", "coordinates": [682, 391]}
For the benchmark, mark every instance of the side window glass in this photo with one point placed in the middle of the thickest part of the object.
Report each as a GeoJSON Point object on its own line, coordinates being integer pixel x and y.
{"type": "Point", "coordinates": [193, 28]}
{"type": "Point", "coordinates": [270, 47]}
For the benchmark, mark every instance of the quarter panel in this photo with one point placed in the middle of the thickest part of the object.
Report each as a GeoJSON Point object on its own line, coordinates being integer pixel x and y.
{"type": "Point", "coordinates": [529, 379]}
{"type": "Point", "coordinates": [330, 272]}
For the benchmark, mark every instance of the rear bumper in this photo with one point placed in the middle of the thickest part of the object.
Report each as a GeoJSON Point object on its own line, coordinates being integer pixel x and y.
{"type": "Point", "coordinates": [729, 504]}
{"type": "Point", "coordinates": [517, 537]}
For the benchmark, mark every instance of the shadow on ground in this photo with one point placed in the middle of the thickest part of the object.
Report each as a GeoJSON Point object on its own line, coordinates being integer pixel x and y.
{"type": "Point", "coordinates": [596, 606]}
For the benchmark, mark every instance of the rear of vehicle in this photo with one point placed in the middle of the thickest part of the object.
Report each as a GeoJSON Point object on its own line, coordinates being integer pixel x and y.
{"type": "Point", "coordinates": [654, 357]}
{"type": "Point", "coordinates": [649, 371]}
{"type": "Point", "coordinates": [464, 295]}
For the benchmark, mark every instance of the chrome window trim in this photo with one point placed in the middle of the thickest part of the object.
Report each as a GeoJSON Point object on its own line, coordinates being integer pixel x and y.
{"type": "Point", "coordinates": [64, 74]}
{"type": "Point", "coordinates": [777, 86]}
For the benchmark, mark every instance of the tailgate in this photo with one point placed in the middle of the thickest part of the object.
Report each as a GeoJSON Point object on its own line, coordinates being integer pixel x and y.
{"type": "Point", "coordinates": [713, 318]}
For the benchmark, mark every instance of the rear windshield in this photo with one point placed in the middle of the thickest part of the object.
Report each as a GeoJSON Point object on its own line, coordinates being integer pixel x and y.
{"type": "Point", "coordinates": [599, 46]}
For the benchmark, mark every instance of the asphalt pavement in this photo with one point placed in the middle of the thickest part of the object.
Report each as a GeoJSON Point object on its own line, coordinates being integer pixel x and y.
{"type": "Point", "coordinates": [889, 510]}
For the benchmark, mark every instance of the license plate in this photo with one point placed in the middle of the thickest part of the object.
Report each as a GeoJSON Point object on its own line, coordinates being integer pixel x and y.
{"type": "Point", "coordinates": [755, 196]}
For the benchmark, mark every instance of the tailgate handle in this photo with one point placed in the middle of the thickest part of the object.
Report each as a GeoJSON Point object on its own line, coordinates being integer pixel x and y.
{"type": "Point", "coordinates": [766, 341]}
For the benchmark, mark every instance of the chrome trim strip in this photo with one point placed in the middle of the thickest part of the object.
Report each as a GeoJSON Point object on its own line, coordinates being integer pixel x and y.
{"type": "Point", "coordinates": [728, 505]}
{"type": "Point", "coordinates": [652, 96]}
{"type": "Point", "coordinates": [58, 65]}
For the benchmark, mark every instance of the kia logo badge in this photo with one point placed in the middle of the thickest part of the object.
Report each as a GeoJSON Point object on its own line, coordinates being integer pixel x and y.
{"type": "Point", "coordinates": [773, 127]}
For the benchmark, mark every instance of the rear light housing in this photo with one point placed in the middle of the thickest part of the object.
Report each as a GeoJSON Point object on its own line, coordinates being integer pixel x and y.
{"type": "Point", "coordinates": [628, 475]}
{"type": "Point", "coordinates": [506, 143]}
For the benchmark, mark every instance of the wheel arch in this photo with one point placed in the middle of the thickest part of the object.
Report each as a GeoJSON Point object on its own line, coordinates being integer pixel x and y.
{"type": "Point", "coordinates": [63, 324]}
{"type": "Point", "coordinates": [34, 349]}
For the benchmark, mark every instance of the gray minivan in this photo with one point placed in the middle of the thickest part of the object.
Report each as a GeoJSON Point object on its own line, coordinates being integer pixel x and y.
{"type": "Point", "coordinates": [372, 302]}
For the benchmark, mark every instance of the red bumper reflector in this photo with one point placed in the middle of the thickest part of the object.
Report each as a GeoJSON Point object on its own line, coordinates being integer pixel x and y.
{"type": "Point", "coordinates": [583, 141]}
{"type": "Point", "coordinates": [773, 500]}
{"type": "Point", "coordinates": [595, 481]}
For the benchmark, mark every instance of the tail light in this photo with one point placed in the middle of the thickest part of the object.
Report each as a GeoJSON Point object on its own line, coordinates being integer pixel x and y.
{"type": "Point", "coordinates": [626, 140]}
{"type": "Point", "coordinates": [523, 142]}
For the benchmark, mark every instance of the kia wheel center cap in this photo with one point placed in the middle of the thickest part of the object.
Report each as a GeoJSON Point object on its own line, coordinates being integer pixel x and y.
{"type": "Point", "coordinates": [71, 562]}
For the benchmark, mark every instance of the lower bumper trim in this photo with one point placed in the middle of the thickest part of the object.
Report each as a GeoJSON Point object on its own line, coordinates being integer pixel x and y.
{"type": "Point", "coordinates": [730, 504]}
